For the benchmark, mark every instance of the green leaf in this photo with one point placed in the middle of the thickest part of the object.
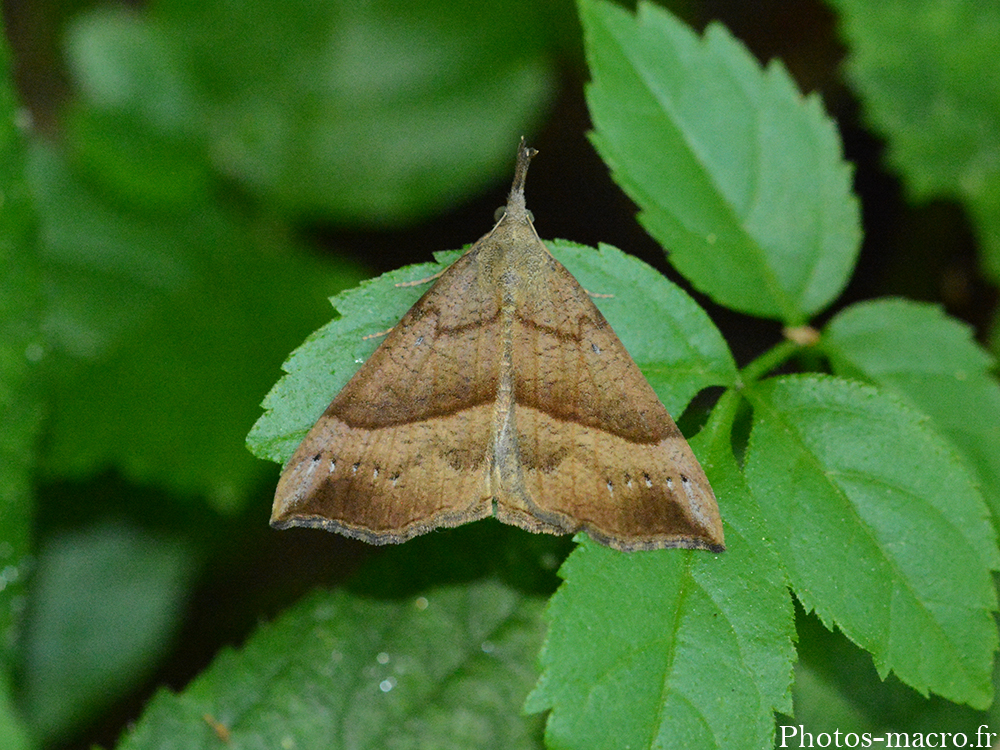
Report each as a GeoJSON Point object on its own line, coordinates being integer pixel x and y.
{"type": "Point", "coordinates": [918, 67]}
{"type": "Point", "coordinates": [129, 65]}
{"type": "Point", "coordinates": [738, 177]}
{"type": "Point", "coordinates": [13, 732]}
{"type": "Point", "coordinates": [880, 528]}
{"type": "Point", "coordinates": [359, 112]}
{"type": "Point", "coordinates": [164, 332]}
{"type": "Point", "coordinates": [933, 363]}
{"type": "Point", "coordinates": [837, 687]}
{"type": "Point", "coordinates": [680, 355]}
{"type": "Point", "coordinates": [678, 648]}
{"type": "Point", "coordinates": [137, 165]}
{"type": "Point", "coordinates": [81, 652]}
{"type": "Point", "coordinates": [445, 669]}
{"type": "Point", "coordinates": [20, 399]}
{"type": "Point", "coordinates": [137, 127]}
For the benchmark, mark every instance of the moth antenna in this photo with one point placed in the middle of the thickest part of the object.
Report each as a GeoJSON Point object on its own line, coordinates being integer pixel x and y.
{"type": "Point", "coordinates": [524, 154]}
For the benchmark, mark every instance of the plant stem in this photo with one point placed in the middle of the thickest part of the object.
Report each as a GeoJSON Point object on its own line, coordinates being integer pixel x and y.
{"type": "Point", "coordinates": [723, 414]}
{"type": "Point", "coordinates": [767, 361]}
{"type": "Point", "coordinates": [721, 418]}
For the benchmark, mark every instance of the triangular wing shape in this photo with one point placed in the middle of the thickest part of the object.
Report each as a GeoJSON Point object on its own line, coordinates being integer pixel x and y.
{"type": "Point", "coordinates": [502, 385]}
{"type": "Point", "coordinates": [598, 451]}
{"type": "Point", "coordinates": [403, 447]}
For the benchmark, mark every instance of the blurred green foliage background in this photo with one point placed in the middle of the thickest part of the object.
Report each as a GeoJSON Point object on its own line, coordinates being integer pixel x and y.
{"type": "Point", "coordinates": [203, 176]}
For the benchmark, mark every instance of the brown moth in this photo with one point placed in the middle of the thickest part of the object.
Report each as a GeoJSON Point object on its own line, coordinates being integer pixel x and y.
{"type": "Point", "coordinates": [503, 391]}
